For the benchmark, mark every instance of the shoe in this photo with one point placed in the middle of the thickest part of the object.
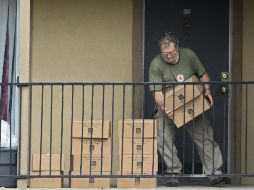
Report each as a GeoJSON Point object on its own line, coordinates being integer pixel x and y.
{"type": "Point", "coordinates": [172, 182]}
{"type": "Point", "coordinates": [219, 181]}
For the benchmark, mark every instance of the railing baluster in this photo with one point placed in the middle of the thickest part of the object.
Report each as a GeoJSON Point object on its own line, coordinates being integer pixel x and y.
{"type": "Point", "coordinates": [41, 133]}
{"type": "Point", "coordinates": [246, 128]}
{"type": "Point", "coordinates": [103, 104]}
{"type": "Point", "coordinates": [184, 101]}
{"type": "Point", "coordinates": [112, 130]}
{"type": "Point", "coordinates": [122, 129]}
{"type": "Point", "coordinates": [203, 131]}
{"type": "Point", "coordinates": [143, 132]}
{"type": "Point", "coordinates": [30, 127]}
{"type": "Point", "coordinates": [133, 124]}
{"type": "Point", "coordinates": [20, 127]}
{"type": "Point", "coordinates": [51, 128]}
{"type": "Point", "coordinates": [154, 128]}
{"type": "Point", "coordinates": [82, 124]}
{"type": "Point", "coordinates": [163, 134]}
{"type": "Point", "coordinates": [91, 136]}
{"type": "Point", "coordinates": [213, 128]}
{"type": "Point", "coordinates": [225, 111]}
{"type": "Point", "coordinates": [193, 132]}
{"type": "Point", "coordinates": [10, 120]}
{"type": "Point", "coordinates": [173, 129]}
{"type": "Point", "coordinates": [62, 125]}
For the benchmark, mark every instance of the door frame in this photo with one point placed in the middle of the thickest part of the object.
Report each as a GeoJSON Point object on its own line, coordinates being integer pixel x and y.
{"type": "Point", "coordinates": [235, 27]}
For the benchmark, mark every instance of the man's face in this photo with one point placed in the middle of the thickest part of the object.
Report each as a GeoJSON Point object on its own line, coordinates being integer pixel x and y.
{"type": "Point", "coordinates": [170, 54]}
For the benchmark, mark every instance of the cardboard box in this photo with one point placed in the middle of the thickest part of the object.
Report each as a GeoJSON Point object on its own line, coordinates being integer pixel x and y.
{"type": "Point", "coordinates": [186, 113]}
{"type": "Point", "coordinates": [94, 145]}
{"type": "Point", "coordinates": [90, 182]}
{"type": "Point", "coordinates": [136, 127]}
{"type": "Point", "coordinates": [46, 182]}
{"type": "Point", "coordinates": [150, 163]}
{"type": "Point", "coordinates": [95, 163]}
{"type": "Point", "coordinates": [181, 94]}
{"type": "Point", "coordinates": [149, 146]}
{"type": "Point", "coordinates": [45, 162]}
{"type": "Point", "coordinates": [136, 182]}
{"type": "Point", "coordinates": [95, 129]}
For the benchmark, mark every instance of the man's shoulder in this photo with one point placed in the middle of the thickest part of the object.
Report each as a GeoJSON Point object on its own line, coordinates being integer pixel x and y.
{"type": "Point", "coordinates": [156, 61]}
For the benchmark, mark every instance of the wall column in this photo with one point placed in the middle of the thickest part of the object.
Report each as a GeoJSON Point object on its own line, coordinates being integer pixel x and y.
{"type": "Point", "coordinates": [24, 51]}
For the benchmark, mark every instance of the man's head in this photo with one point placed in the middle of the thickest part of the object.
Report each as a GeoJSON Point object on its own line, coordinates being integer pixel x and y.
{"type": "Point", "coordinates": [169, 48]}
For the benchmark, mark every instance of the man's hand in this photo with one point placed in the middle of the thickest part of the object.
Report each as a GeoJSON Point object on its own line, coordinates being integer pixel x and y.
{"type": "Point", "coordinates": [159, 100]}
{"type": "Point", "coordinates": [159, 97]}
{"type": "Point", "coordinates": [167, 112]}
{"type": "Point", "coordinates": [209, 95]}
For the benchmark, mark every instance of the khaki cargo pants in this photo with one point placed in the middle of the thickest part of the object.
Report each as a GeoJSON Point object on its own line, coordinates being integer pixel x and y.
{"type": "Point", "coordinates": [212, 155]}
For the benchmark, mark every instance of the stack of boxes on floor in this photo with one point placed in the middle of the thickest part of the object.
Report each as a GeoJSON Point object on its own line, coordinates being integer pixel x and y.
{"type": "Point", "coordinates": [138, 152]}
{"type": "Point", "coordinates": [187, 101]}
{"type": "Point", "coordinates": [47, 164]}
{"type": "Point", "coordinates": [94, 149]}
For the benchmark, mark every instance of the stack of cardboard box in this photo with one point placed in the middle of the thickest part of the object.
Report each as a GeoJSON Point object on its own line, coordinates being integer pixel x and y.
{"type": "Point", "coordinates": [93, 147]}
{"type": "Point", "coordinates": [187, 101]}
{"type": "Point", "coordinates": [138, 152]}
{"type": "Point", "coordinates": [47, 164]}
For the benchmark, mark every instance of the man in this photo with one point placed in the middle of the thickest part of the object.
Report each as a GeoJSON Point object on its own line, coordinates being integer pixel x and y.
{"type": "Point", "coordinates": [176, 64]}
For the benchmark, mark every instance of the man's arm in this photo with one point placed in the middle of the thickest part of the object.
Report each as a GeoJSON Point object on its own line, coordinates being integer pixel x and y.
{"type": "Point", "coordinates": [159, 100]}
{"type": "Point", "coordinates": [205, 78]}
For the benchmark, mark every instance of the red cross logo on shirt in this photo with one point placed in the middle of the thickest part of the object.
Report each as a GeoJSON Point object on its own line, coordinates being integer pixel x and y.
{"type": "Point", "coordinates": [180, 78]}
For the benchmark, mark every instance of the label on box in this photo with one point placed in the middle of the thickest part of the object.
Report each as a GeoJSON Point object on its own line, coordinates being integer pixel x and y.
{"type": "Point", "coordinates": [134, 128]}
{"type": "Point", "coordinates": [91, 182]}
{"type": "Point", "coordinates": [136, 182]}
{"type": "Point", "coordinates": [135, 146]}
{"type": "Point", "coordinates": [96, 129]}
{"type": "Point", "coordinates": [96, 163]}
{"type": "Point", "coordinates": [135, 163]}
{"type": "Point", "coordinates": [91, 145]}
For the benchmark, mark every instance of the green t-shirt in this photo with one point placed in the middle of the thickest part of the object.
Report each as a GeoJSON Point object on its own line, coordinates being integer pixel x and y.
{"type": "Point", "coordinates": [187, 66]}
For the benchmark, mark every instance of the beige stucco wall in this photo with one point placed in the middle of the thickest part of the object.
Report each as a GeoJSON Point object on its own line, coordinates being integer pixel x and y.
{"type": "Point", "coordinates": [247, 74]}
{"type": "Point", "coordinates": [79, 41]}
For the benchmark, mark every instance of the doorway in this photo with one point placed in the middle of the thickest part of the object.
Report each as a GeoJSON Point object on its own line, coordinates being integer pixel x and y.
{"type": "Point", "coordinates": [202, 26]}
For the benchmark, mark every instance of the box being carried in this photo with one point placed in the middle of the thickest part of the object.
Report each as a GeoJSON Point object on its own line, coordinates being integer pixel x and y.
{"type": "Point", "coordinates": [186, 102]}
{"type": "Point", "coordinates": [182, 94]}
{"type": "Point", "coordinates": [190, 110]}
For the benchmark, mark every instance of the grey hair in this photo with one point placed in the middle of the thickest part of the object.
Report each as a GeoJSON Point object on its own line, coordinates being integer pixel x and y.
{"type": "Point", "coordinates": [167, 38]}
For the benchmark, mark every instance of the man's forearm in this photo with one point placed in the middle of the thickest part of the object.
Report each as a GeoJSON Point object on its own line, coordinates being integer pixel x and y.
{"type": "Point", "coordinates": [206, 78]}
{"type": "Point", "coordinates": [158, 97]}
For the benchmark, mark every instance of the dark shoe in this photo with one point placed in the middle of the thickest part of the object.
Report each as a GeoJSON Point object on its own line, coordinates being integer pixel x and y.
{"type": "Point", "coordinates": [172, 182]}
{"type": "Point", "coordinates": [219, 181]}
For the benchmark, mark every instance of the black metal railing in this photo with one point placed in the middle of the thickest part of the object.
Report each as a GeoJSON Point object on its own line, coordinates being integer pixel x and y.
{"type": "Point", "coordinates": [68, 122]}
